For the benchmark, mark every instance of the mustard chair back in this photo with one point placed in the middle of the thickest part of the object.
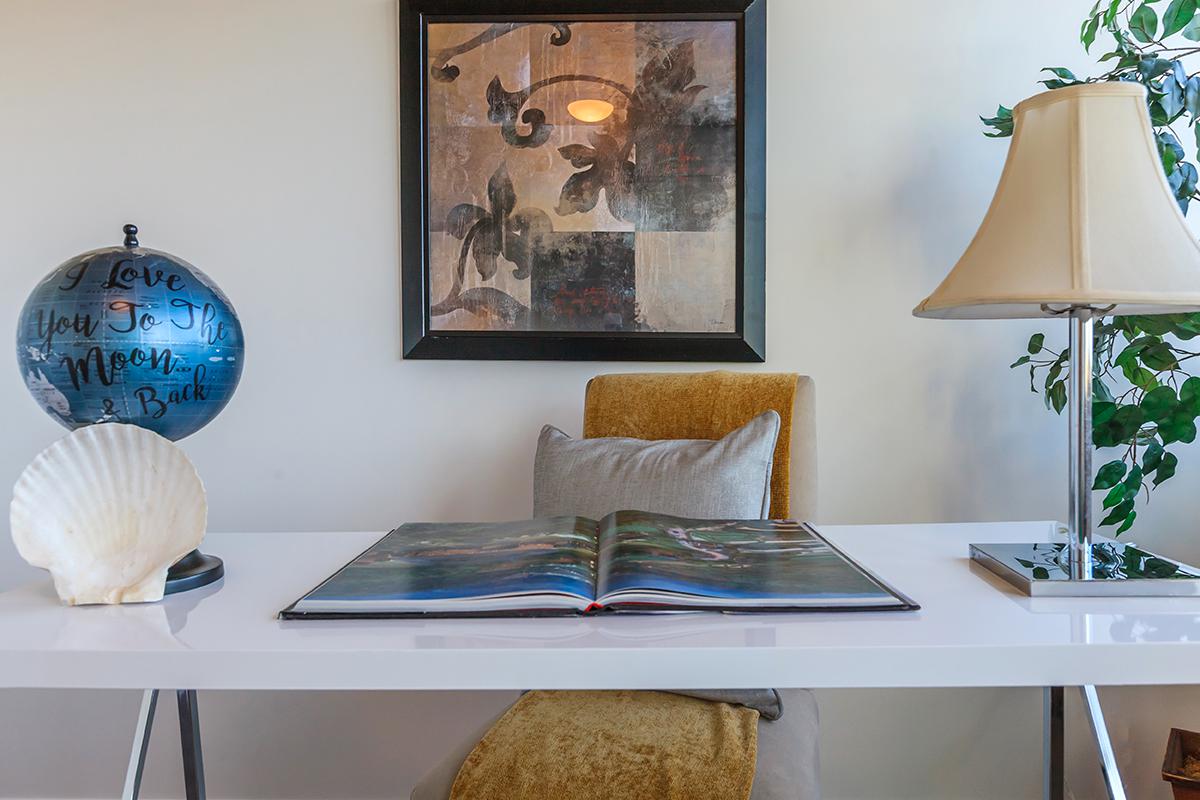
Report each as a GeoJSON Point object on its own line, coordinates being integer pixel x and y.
{"type": "Point", "coordinates": [708, 405]}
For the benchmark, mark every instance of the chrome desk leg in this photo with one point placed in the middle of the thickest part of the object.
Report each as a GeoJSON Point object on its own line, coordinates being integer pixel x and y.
{"type": "Point", "coordinates": [189, 737]}
{"type": "Point", "coordinates": [1108, 761]}
{"type": "Point", "coordinates": [141, 741]}
{"type": "Point", "coordinates": [1053, 755]}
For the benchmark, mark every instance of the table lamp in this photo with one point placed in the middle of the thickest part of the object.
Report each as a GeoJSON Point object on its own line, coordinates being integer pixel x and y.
{"type": "Point", "coordinates": [1083, 224]}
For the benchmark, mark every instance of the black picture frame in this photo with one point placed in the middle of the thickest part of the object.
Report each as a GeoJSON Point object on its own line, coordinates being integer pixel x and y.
{"type": "Point", "coordinates": [748, 341]}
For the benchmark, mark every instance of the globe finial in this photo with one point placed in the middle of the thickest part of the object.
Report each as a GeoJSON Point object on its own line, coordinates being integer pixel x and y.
{"type": "Point", "coordinates": [130, 235]}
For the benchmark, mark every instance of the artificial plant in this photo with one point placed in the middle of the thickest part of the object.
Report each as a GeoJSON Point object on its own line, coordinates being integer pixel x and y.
{"type": "Point", "coordinates": [1145, 402]}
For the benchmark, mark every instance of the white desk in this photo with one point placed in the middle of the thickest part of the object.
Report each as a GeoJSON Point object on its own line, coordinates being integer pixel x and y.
{"type": "Point", "coordinates": [972, 630]}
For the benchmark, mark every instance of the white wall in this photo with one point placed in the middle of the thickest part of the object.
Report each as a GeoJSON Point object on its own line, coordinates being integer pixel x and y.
{"type": "Point", "coordinates": [257, 140]}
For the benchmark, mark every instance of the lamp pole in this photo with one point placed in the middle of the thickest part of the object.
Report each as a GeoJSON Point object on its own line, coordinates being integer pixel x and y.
{"type": "Point", "coordinates": [1079, 405]}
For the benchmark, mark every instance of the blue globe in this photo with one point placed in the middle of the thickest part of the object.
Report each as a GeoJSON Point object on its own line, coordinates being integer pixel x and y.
{"type": "Point", "coordinates": [129, 334]}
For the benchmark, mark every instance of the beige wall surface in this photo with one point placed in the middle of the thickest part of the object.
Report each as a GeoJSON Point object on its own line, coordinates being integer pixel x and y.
{"type": "Point", "coordinates": [257, 139]}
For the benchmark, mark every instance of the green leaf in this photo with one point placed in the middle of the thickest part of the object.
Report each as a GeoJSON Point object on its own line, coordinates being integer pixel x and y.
{"type": "Point", "coordinates": [1127, 524]}
{"type": "Point", "coordinates": [1159, 356]}
{"type": "Point", "coordinates": [1062, 72]}
{"type": "Point", "coordinates": [1178, 15]}
{"type": "Point", "coordinates": [1120, 429]}
{"type": "Point", "coordinates": [1158, 115]}
{"type": "Point", "coordinates": [1185, 188]}
{"type": "Point", "coordinates": [1133, 481]}
{"type": "Point", "coordinates": [1035, 341]}
{"type": "Point", "coordinates": [1160, 403]}
{"type": "Point", "coordinates": [1129, 60]}
{"type": "Point", "coordinates": [1179, 73]}
{"type": "Point", "coordinates": [1189, 395]}
{"type": "Point", "coordinates": [1110, 13]}
{"type": "Point", "coordinates": [1172, 102]}
{"type": "Point", "coordinates": [1154, 324]}
{"type": "Point", "coordinates": [1143, 24]}
{"type": "Point", "coordinates": [1058, 396]}
{"type": "Point", "coordinates": [1192, 95]}
{"type": "Point", "coordinates": [1103, 411]}
{"type": "Point", "coordinates": [1152, 456]}
{"type": "Point", "coordinates": [1177, 429]}
{"type": "Point", "coordinates": [1166, 469]}
{"type": "Point", "coordinates": [1002, 122]}
{"type": "Point", "coordinates": [1168, 158]}
{"type": "Point", "coordinates": [1127, 358]}
{"type": "Point", "coordinates": [1052, 374]}
{"type": "Point", "coordinates": [1186, 325]}
{"type": "Point", "coordinates": [1142, 378]}
{"type": "Point", "coordinates": [1019, 362]}
{"type": "Point", "coordinates": [1115, 495]}
{"type": "Point", "coordinates": [1109, 475]}
{"type": "Point", "coordinates": [1118, 514]}
{"type": "Point", "coordinates": [1192, 30]}
{"type": "Point", "coordinates": [1088, 33]}
{"type": "Point", "coordinates": [1040, 574]}
{"type": "Point", "coordinates": [1150, 67]}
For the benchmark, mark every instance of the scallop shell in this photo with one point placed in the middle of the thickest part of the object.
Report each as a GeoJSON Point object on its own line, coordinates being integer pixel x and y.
{"type": "Point", "coordinates": [107, 510]}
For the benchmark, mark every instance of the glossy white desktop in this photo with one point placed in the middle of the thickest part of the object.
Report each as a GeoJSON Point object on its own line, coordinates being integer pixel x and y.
{"type": "Point", "coordinates": [973, 630]}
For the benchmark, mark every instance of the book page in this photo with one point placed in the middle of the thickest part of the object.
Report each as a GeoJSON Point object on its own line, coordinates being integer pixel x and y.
{"type": "Point", "coordinates": [734, 563]}
{"type": "Point", "coordinates": [441, 565]}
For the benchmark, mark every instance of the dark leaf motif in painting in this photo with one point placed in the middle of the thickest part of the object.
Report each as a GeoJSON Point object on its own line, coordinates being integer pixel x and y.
{"type": "Point", "coordinates": [487, 234]}
{"type": "Point", "coordinates": [664, 90]}
{"type": "Point", "coordinates": [673, 185]}
{"type": "Point", "coordinates": [655, 136]}
{"type": "Point", "coordinates": [503, 109]}
{"type": "Point", "coordinates": [443, 70]}
{"type": "Point", "coordinates": [605, 166]}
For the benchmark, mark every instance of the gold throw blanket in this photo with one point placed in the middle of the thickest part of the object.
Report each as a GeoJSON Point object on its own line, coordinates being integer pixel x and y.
{"type": "Point", "coordinates": [614, 745]}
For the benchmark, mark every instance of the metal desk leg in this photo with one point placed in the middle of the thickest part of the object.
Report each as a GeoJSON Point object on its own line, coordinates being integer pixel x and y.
{"type": "Point", "coordinates": [141, 741]}
{"type": "Point", "coordinates": [189, 737]}
{"type": "Point", "coordinates": [1108, 760]}
{"type": "Point", "coordinates": [1053, 755]}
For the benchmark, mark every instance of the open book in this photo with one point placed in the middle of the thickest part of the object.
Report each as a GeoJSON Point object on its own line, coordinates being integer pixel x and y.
{"type": "Point", "coordinates": [628, 561]}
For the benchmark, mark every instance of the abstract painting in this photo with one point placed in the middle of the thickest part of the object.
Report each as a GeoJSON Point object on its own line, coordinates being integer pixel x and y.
{"type": "Point", "coordinates": [575, 185]}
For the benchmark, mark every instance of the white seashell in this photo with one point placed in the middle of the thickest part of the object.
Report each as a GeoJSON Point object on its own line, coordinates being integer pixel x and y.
{"type": "Point", "coordinates": [107, 510]}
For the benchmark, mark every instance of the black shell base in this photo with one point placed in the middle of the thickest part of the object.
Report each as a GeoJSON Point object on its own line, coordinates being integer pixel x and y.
{"type": "Point", "coordinates": [193, 571]}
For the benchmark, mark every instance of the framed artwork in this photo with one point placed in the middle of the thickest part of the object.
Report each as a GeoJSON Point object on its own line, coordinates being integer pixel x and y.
{"type": "Point", "coordinates": [582, 179]}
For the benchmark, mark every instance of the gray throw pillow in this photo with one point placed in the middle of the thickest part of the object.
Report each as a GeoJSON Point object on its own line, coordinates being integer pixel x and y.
{"type": "Point", "coordinates": [725, 479]}
{"type": "Point", "coordinates": [729, 478]}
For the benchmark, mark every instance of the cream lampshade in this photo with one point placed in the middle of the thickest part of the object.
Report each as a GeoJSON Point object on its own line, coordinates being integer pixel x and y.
{"type": "Point", "coordinates": [1083, 216]}
{"type": "Point", "coordinates": [1082, 225]}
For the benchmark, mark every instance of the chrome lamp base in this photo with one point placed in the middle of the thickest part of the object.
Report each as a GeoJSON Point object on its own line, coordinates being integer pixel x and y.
{"type": "Point", "coordinates": [1118, 570]}
{"type": "Point", "coordinates": [1082, 567]}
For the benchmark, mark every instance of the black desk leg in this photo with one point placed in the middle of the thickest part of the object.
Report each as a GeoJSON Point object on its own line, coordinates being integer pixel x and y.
{"type": "Point", "coordinates": [1053, 755]}
{"type": "Point", "coordinates": [189, 738]}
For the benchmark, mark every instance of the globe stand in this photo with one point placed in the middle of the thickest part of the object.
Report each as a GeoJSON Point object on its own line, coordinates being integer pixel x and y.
{"type": "Point", "coordinates": [194, 570]}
